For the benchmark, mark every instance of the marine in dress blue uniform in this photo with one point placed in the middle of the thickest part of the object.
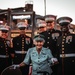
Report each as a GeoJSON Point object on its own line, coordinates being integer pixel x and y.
{"type": "Point", "coordinates": [51, 34]}
{"type": "Point", "coordinates": [41, 27]}
{"type": "Point", "coordinates": [66, 48]}
{"type": "Point", "coordinates": [41, 24]}
{"type": "Point", "coordinates": [5, 50]}
{"type": "Point", "coordinates": [21, 44]}
{"type": "Point", "coordinates": [40, 57]}
{"type": "Point", "coordinates": [51, 37]}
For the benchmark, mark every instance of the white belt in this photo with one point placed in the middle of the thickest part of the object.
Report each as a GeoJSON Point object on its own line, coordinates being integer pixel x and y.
{"type": "Point", "coordinates": [20, 52]}
{"type": "Point", "coordinates": [4, 56]}
{"type": "Point", "coordinates": [67, 55]}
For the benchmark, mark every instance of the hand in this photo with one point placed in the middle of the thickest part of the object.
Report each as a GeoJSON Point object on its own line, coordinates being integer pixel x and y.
{"type": "Point", "coordinates": [15, 66]}
{"type": "Point", "coordinates": [54, 60]}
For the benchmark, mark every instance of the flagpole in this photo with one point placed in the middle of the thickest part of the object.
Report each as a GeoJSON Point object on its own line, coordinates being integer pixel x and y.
{"type": "Point", "coordinates": [44, 7]}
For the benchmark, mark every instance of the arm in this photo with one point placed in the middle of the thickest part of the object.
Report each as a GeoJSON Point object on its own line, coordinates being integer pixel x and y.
{"type": "Point", "coordinates": [26, 60]}
{"type": "Point", "coordinates": [22, 64]}
{"type": "Point", "coordinates": [51, 59]}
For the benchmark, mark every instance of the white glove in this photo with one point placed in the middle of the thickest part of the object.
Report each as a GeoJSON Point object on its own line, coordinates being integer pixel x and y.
{"type": "Point", "coordinates": [54, 60]}
{"type": "Point", "coordinates": [15, 66]}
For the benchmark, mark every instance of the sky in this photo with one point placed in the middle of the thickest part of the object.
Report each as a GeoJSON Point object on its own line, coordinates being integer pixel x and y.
{"type": "Point", "coordinates": [55, 7]}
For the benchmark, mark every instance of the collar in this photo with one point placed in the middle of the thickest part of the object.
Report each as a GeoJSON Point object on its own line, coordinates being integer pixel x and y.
{"type": "Point", "coordinates": [41, 52]}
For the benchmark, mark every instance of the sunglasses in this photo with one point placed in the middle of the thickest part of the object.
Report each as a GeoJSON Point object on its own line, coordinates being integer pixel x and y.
{"type": "Point", "coordinates": [4, 31]}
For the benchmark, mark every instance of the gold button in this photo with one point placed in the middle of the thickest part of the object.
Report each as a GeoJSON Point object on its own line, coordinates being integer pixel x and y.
{"type": "Point", "coordinates": [62, 48]}
{"type": "Point", "coordinates": [73, 61]}
{"type": "Point", "coordinates": [5, 43]}
{"type": "Point", "coordinates": [63, 39]}
{"type": "Point", "coordinates": [62, 42]}
{"type": "Point", "coordinates": [63, 36]}
{"type": "Point", "coordinates": [62, 45]}
{"type": "Point", "coordinates": [23, 42]}
{"type": "Point", "coordinates": [47, 42]}
{"type": "Point", "coordinates": [48, 33]}
{"type": "Point", "coordinates": [48, 37]}
{"type": "Point", "coordinates": [23, 45]}
{"type": "Point", "coordinates": [62, 51]}
{"type": "Point", "coordinates": [63, 55]}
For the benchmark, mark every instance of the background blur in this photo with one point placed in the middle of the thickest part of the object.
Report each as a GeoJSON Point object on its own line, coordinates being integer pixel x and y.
{"type": "Point", "coordinates": [42, 7]}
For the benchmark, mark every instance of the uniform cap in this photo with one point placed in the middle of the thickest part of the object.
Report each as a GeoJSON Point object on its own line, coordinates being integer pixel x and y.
{"type": "Point", "coordinates": [64, 20]}
{"type": "Point", "coordinates": [4, 28]}
{"type": "Point", "coordinates": [21, 25]}
{"type": "Point", "coordinates": [41, 18]}
{"type": "Point", "coordinates": [42, 24]}
{"type": "Point", "coordinates": [50, 18]}
{"type": "Point", "coordinates": [39, 37]}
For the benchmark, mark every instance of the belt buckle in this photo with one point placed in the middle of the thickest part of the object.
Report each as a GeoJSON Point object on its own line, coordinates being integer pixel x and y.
{"type": "Point", "coordinates": [23, 52]}
{"type": "Point", "coordinates": [63, 55]}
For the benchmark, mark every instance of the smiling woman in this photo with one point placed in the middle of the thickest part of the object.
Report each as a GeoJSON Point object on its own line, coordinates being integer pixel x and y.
{"type": "Point", "coordinates": [40, 57]}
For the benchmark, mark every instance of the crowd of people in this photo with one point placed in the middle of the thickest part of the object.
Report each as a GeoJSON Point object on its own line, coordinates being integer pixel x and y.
{"type": "Point", "coordinates": [49, 52]}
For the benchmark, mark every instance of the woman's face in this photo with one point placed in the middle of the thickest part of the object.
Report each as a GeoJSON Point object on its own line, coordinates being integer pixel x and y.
{"type": "Point", "coordinates": [38, 44]}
